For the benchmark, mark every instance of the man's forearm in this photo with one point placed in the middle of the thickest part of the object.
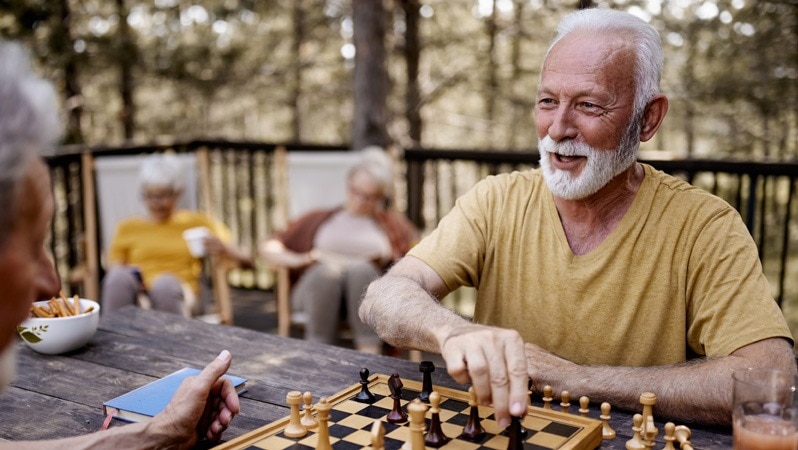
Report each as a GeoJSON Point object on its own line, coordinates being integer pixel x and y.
{"type": "Point", "coordinates": [699, 391]}
{"type": "Point", "coordinates": [695, 391]}
{"type": "Point", "coordinates": [405, 315]}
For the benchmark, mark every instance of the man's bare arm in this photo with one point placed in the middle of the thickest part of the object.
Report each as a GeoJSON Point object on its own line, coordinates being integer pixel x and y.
{"type": "Point", "coordinates": [403, 309]}
{"type": "Point", "coordinates": [696, 391]}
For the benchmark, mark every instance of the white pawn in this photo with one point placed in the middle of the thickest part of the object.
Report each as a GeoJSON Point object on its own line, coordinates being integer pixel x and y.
{"type": "Point", "coordinates": [584, 402]}
{"type": "Point", "coordinates": [636, 443]}
{"type": "Point", "coordinates": [606, 430]}
{"type": "Point", "coordinates": [547, 396]}
{"type": "Point", "coordinates": [294, 429]}
{"type": "Point", "coordinates": [565, 402]}
{"type": "Point", "coordinates": [670, 436]}
{"type": "Point", "coordinates": [308, 421]}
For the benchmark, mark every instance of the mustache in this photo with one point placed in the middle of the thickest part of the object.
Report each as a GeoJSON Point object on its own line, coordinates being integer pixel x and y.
{"type": "Point", "coordinates": [564, 148]}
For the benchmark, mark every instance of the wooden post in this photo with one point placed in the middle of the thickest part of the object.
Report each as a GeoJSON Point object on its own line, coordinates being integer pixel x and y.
{"type": "Point", "coordinates": [91, 282]}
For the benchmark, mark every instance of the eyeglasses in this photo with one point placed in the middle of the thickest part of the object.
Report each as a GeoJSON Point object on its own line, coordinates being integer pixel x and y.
{"type": "Point", "coordinates": [159, 196]}
{"type": "Point", "coordinates": [366, 196]}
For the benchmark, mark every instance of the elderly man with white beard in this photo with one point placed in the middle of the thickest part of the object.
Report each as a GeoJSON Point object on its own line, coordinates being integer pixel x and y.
{"type": "Point", "coordinates": [203, 406]}
{"type": "Point", "coordinates": [595, 274]}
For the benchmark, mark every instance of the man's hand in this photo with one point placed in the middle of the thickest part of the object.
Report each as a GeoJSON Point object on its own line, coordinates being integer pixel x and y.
{"type": "Point", "coordinates": [493, 360]}
{"type": "Point", "coordinates": [203, 406]}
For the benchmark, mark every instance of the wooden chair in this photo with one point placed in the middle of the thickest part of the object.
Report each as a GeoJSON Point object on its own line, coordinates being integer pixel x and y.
{"type": "Point", "coordinates": [310, 180]}
{"type": "Point", "coordinates": [111, 181]}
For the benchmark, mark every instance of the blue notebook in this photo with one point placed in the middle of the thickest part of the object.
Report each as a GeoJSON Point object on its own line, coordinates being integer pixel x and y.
{"type": "Point", "coordinates": [141, 404]}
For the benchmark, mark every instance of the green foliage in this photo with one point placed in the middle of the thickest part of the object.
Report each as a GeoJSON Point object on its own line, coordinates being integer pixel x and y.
{"type": "Point", "coordinates": [278, 70]}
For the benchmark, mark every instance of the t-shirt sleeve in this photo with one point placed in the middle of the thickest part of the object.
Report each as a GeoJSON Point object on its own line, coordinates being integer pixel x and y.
{"type": "Point", "coordinates": [731, 304]}
{"type": "Point", "coordinates": [456, 248]}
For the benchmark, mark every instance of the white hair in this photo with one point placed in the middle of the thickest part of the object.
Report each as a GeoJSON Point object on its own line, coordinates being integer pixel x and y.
{"type": "Point", "coordinates": [378, 165]}
{"type": "Point", "coordinates": [161, 170]}
{"type": "Point", "coordinates": [29, 125]}
{"type": "Point", "coordinates": [646, 40]}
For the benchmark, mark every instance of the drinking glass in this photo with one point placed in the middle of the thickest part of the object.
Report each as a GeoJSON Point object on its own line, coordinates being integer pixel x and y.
{"type": "Point", "coordinates": [765, 410]}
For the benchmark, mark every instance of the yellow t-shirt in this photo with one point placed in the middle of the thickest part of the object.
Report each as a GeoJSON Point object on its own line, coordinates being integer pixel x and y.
{"type": "Point", "coordinates": [157, 248]}
{"type": "Point", "coordinates": [679, 277]}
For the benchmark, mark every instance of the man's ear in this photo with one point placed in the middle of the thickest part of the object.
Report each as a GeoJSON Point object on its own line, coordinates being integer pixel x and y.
{"type": "Point", "coordinates": [653, 117]}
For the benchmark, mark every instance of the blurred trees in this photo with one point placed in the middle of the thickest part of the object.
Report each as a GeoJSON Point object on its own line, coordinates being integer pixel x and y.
{"type": "Point", "coordinates": [454, 73]}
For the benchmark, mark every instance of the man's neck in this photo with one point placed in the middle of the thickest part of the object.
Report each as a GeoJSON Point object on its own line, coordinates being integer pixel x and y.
{"type": "Point", "coordinates": [587, 222]}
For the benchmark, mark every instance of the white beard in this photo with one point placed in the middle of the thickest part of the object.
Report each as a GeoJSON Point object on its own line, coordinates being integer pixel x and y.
{"type": "Point", "coordinates": [601, 166]}
{"type": "Point", "coordinates": [8, 365]}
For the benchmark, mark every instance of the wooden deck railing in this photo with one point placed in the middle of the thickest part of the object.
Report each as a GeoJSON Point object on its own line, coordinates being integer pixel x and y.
{"type": "Point", "coordinates": [245, 195]}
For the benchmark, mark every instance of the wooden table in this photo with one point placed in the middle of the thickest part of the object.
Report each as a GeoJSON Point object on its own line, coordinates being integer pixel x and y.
{"type": "Point", "coordinates": [59, 396]}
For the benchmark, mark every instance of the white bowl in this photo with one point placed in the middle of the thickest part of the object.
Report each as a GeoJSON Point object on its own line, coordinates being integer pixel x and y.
{"type": "Point", "coordinates": [56, 335]}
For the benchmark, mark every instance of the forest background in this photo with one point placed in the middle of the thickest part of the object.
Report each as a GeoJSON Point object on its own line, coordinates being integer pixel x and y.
{"type": "Point", "coordinates": [429, 73]}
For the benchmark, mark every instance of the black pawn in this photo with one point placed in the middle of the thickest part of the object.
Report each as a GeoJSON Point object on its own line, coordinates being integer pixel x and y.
{"type": "Point", "coordinates": [365, 396]}
{"type": "Point", "coordinates": [396, 415]}
{"type": "Point", "coordinates": [516, 434]}
{"type": "Point", "coordinates": [426, 368]}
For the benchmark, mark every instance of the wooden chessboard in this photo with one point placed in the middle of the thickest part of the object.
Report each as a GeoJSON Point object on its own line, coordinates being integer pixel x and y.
{"type": "Point", "coordinates": [350, 424]}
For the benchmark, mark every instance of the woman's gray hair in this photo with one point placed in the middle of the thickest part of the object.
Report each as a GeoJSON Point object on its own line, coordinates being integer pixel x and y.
{"type": "Point", "coordinates": [161, 170]}
{"type": "Point", "coordinates": [29, 126]}
{"type": "Point", "coordinates": [646, 40]}
{"type": "Point", "coordinates": [378, 165]}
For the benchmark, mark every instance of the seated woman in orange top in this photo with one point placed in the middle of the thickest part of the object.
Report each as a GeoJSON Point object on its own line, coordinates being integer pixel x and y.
{"type": "Point", "coordinates": [149, 254]}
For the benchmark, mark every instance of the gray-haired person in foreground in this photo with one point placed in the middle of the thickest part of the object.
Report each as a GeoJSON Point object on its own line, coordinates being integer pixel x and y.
{"type": "Point", "coordinates": [204, 405]}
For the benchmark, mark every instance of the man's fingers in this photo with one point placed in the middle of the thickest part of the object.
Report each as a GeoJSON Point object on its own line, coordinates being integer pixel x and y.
{"type": "Point", "coordinates": [515, 357]}
{"type": "Point", "coordinates": [215, 369]}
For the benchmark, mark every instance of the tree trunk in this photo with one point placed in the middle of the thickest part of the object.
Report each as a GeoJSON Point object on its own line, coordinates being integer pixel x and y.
{"type": "Point", "coordinates": [296, 69]}
{"type": "Point", "coordinates": [412, 52]}
{"type": "Point", "coordinates": [74, 98]}
{"type": "Point", "coordinates": [517, 90]}
{"type": "Point", "coordinates": [492, 82]}
{"type": "Point", "coordinates": [127, 59]}
{"type": "Point", "coordinates": [370, 75]}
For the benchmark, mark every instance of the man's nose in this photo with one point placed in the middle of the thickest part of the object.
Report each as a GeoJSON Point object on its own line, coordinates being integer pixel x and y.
{"type": "Point", "coordinates": [562, 124]}
{"type": "Point", "coordinates": [47, 281]}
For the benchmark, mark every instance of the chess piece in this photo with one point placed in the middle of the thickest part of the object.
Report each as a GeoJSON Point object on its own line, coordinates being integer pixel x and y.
{"type": "Point", "coordinates": [323, 435]}
{"type": "Point", "coordinates": [682, 434]}
{"type": "Point", "coordinates": [377, 436]}
{"type": "Point", "coordinates": [584, 402]}
{"type": "Point", "coordinates": [294, 429]}
{"type": "Point", "coordinates": [529, 385]}
{"type": "Point", "coordinates": [435, 437]}
{"type": "Point", "coordinates": [566, 401]}
{"type": "Point", "coordinates": [396, 415]}
{"type": "Point", "coordinates": [473, 430]}
{"type": "Point", "coordinates": [547, 393]}
{"type": "Point", "coordinates": [426, 368]}
{"type": "Point", "coordinates": [308, 421]}
{"type": "Point", "coordinates": [606, 430]}
{"type": "Point", "coordinates": [417, 412]}
{"type": "Point", "coordinates": [636, 443]}
{"type": "Point", "coordinates": [515, 434]}
{"type": "Point", "coordinates": [648, 399]}
{"type": "Point", "coordinates": [670, 436]}
{"type": "Point", "coordinates": [365, 396]}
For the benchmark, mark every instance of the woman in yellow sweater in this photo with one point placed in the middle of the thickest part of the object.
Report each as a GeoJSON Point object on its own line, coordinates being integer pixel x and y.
{"type": "Point", "coordinates": [149, 255]}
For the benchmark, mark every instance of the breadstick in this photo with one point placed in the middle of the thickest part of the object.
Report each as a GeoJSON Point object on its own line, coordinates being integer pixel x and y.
{"type": "Point", "coordinates": [76, 304]}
